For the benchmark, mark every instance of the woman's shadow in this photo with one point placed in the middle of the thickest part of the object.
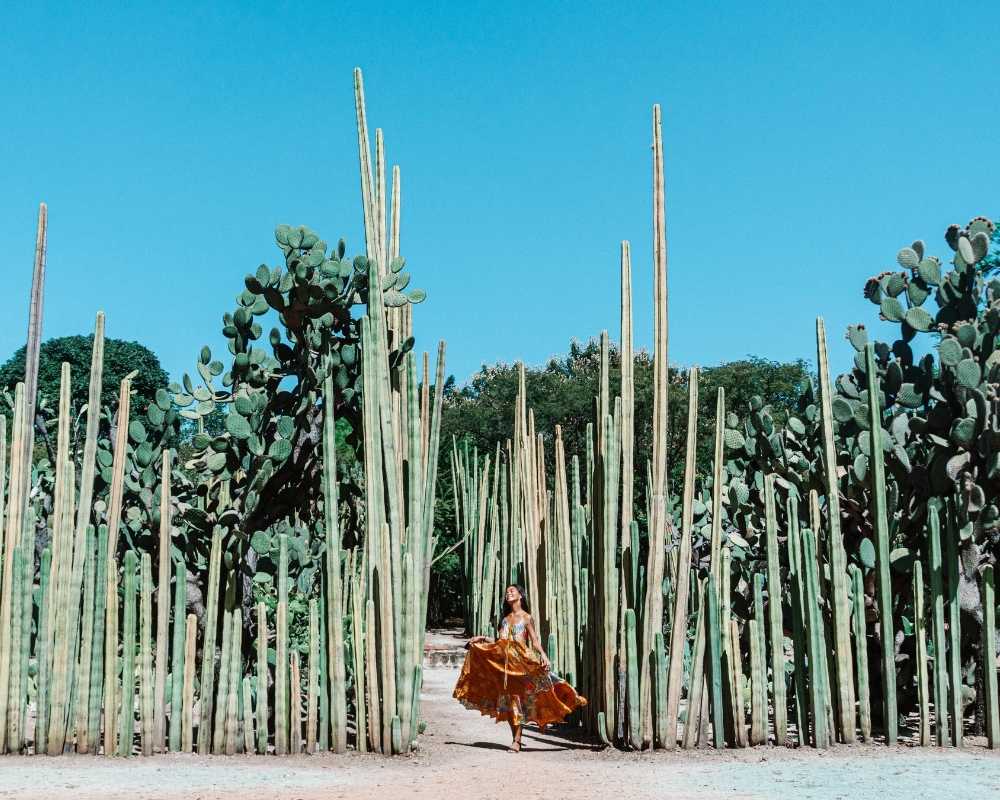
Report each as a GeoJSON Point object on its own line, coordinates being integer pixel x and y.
{"type": "Point", "coordinates": [552, 739]}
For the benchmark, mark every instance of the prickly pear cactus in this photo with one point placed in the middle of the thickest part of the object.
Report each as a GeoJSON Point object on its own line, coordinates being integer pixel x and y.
{"type": "Point", "coordinates": [263, 467]}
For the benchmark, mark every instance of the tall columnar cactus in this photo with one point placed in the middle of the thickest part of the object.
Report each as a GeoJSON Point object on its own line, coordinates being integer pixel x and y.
{"type": "Point", "coordinates": [920, 631]}
{"type": "Point", "coordinates": [163, 608]}
{"type": "Point", "coordinates": [889, 710]}
{"type": "Point", "coordinates": [678, 627]}
{"type": "Point", "coordinates": [696, 688]}
{"type": "Point", "coordinates": [821, 732]}
{"type": "Point", "coordinates": [16, 486]}
{"type": "Point", "coordinates": [187, 691]}
{"type": "Point", "coordinates": [312, 693]}
{"type": "Point", "coordinates": [207, 682]}
{"type": "Point", "coordinates": [177, 665]}
{"type": "Point", "coordinates": [861, 651]}
{"type": "Point", "coordinates": [222, 688]}
{"type": "Point", "coordinates": [775, 623]}
{"type": "Point", "coordinates": [126, 718]}
{"type": "Point", "coordinates": [839, 595]}
{"type": "Point", "coordinates": [281, 654]}
{"type": "Point", "coordinates": [758, 668]}
{"type": "Point", "coordinates": [42, 652]}
{"type": "Point", "coordinates": [653, 612]}
{"type": "Point", "coordinates": [146, 704]}
{"type": "Point", "coordinates": [235, 669]}
{"type": "Point", "coordinates": [989, 656]}
{"type": "Point", "coordinates": [84, 676]}
{"type": "Point", "coordinates": [937, 627]}
{"type": "Point", "coordinates": [717, 694]}
{"type": "Point", "coordinates": [98, 649]}
{"type": "Point", "coordinates": [262, 680]}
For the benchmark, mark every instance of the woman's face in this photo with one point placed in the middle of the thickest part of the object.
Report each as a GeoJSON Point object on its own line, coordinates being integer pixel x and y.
{"type": "Point", "coordinates": [512, 594]}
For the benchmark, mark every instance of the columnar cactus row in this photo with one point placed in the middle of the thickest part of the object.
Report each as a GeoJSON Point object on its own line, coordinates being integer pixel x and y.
{"type": "Point", "coordinates": [736, 567]}
{"type": "Point", "coordinates": [97, 639]}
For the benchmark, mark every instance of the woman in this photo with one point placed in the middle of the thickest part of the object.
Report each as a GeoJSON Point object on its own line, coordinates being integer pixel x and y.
{"type": "Point", "coordinates": [505, 680]}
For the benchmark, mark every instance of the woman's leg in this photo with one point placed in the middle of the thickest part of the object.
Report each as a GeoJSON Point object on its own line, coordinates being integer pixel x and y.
{"type": "Point", "coordinates": [515, 733]}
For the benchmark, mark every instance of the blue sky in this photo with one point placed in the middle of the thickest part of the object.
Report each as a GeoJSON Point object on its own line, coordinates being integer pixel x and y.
{"type": "Point", "coordinates": [805, 143]}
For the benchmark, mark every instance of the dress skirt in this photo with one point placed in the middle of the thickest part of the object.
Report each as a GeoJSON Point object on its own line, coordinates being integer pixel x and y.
{"type": "Point", "coordinates": [504, 680]}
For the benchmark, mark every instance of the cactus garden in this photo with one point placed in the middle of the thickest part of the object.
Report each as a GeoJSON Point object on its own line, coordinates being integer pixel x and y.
{"type": "Point", "coordinates": [242, 562]}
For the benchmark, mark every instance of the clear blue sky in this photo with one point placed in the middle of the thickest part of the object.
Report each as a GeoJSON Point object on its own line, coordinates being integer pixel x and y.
{"type": "Point", "coordinates": [805, 143]}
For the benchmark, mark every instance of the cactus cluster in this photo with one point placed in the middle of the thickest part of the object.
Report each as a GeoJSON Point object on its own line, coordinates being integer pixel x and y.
{"type": "Point", "coordinates": [829, 526]}
{"type": "Point", "coordinates": [257, 523]}
{"type": "Point", "coordinates": [261, 597]}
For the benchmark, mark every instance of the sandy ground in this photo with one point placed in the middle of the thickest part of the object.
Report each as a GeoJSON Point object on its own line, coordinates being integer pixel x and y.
{"type": "Point", "coordinates": [463, 755]}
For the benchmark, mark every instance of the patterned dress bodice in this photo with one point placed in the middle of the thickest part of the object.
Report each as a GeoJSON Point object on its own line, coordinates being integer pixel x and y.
{"type": "Point", "coordinates": [516, 632]}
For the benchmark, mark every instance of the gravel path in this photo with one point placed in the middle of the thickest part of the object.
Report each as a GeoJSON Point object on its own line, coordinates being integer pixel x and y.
{"type": "Point", "coordinates": [463, 755]}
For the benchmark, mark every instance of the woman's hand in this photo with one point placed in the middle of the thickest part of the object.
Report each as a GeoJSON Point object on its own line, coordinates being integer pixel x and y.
{"type": "Point", "coordinates": [476, 640]}
{"type": "Point", "coordinates": [545, 661]}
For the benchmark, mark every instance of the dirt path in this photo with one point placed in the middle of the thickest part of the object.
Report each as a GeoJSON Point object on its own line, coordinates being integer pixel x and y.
{"type": "Point", "coordinates": [463, 755]}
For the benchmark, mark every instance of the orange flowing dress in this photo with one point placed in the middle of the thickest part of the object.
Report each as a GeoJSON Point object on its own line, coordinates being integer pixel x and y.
{"type": "Point", "coordinates": [506, 680]}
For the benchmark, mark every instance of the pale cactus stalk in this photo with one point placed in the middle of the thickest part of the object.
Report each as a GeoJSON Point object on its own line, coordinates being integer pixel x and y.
{"type": "Point", "coordinates": [889, 710]}
{"type": "Point", "coordinates": [187, 692]}
{"type": "Point", "coordinates": [843, 677]}
{"type": "Point", "coordinates": [146, 656]}
{"type": "Point", "coordinates": [162, 608]}
{"type": "Point", "coordinates": [207, 683]}
{"type": "Point", "coordinates": [262, 679]}
{"type": "Point", "coordinates": [126, 718]}
{"type": "Point", "coordinates": [177, 665]}
{"type": "Point", "coordinates": [678, 628]}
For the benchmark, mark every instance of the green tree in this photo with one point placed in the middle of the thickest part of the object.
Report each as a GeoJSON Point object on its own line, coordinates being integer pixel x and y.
{"type": "Point", "coordinates": [120, 358]}
{"type": "Point", "coordinates": [562, 393]}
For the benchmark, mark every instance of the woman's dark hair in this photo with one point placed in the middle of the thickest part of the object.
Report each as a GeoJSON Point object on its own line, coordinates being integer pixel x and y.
{"type": "Point", "coordinates": [505, 608]}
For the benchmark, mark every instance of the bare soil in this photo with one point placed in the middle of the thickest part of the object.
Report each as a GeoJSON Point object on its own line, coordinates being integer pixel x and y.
{"type": "Point", "coordinates": [463, 755]}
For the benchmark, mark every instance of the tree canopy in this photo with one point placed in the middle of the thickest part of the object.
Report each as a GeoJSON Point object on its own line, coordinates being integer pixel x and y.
{"type": "Point", "coordinates": [120, 358]}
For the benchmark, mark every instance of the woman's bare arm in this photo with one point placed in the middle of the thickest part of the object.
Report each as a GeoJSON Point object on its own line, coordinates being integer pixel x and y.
{"type": "Point", "coordinates": [536, 642]}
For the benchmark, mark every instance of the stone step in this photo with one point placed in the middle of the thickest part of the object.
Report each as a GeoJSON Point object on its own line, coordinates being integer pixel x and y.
{"type": "Point", "coordinates": [444, 648]}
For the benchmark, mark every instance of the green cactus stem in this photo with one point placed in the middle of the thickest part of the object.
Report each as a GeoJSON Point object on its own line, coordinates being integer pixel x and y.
{"type": "Point", "coordinates": [187, 691]}
{"type": "Point", "coordinates": [920, 631]}
{"type": "Point", "coordinates": [126, 718]}
{"type": "Point", "coordinates": [989, 650]}
{"type": "Point", "coordinates": [775, 622]}
{"type": "Point", "coordinates": [889, 713]}
{"type": "Point", "coordinates": [146, 716]}
{"type": "Point", "coordinates": [861, 651]}
{"type": "Point", "coordinates": [207, 682]}
{"type": "Point", "coordinates": [952, 609]}
{"type": "Point", "coordinates": [177, 665]}
{"type": "Point", "coordinates": [162, 609]}
{"type": "Point", "coordinates": [941, 727]}
{"type": "Point", "coordinates": [842, 678]}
